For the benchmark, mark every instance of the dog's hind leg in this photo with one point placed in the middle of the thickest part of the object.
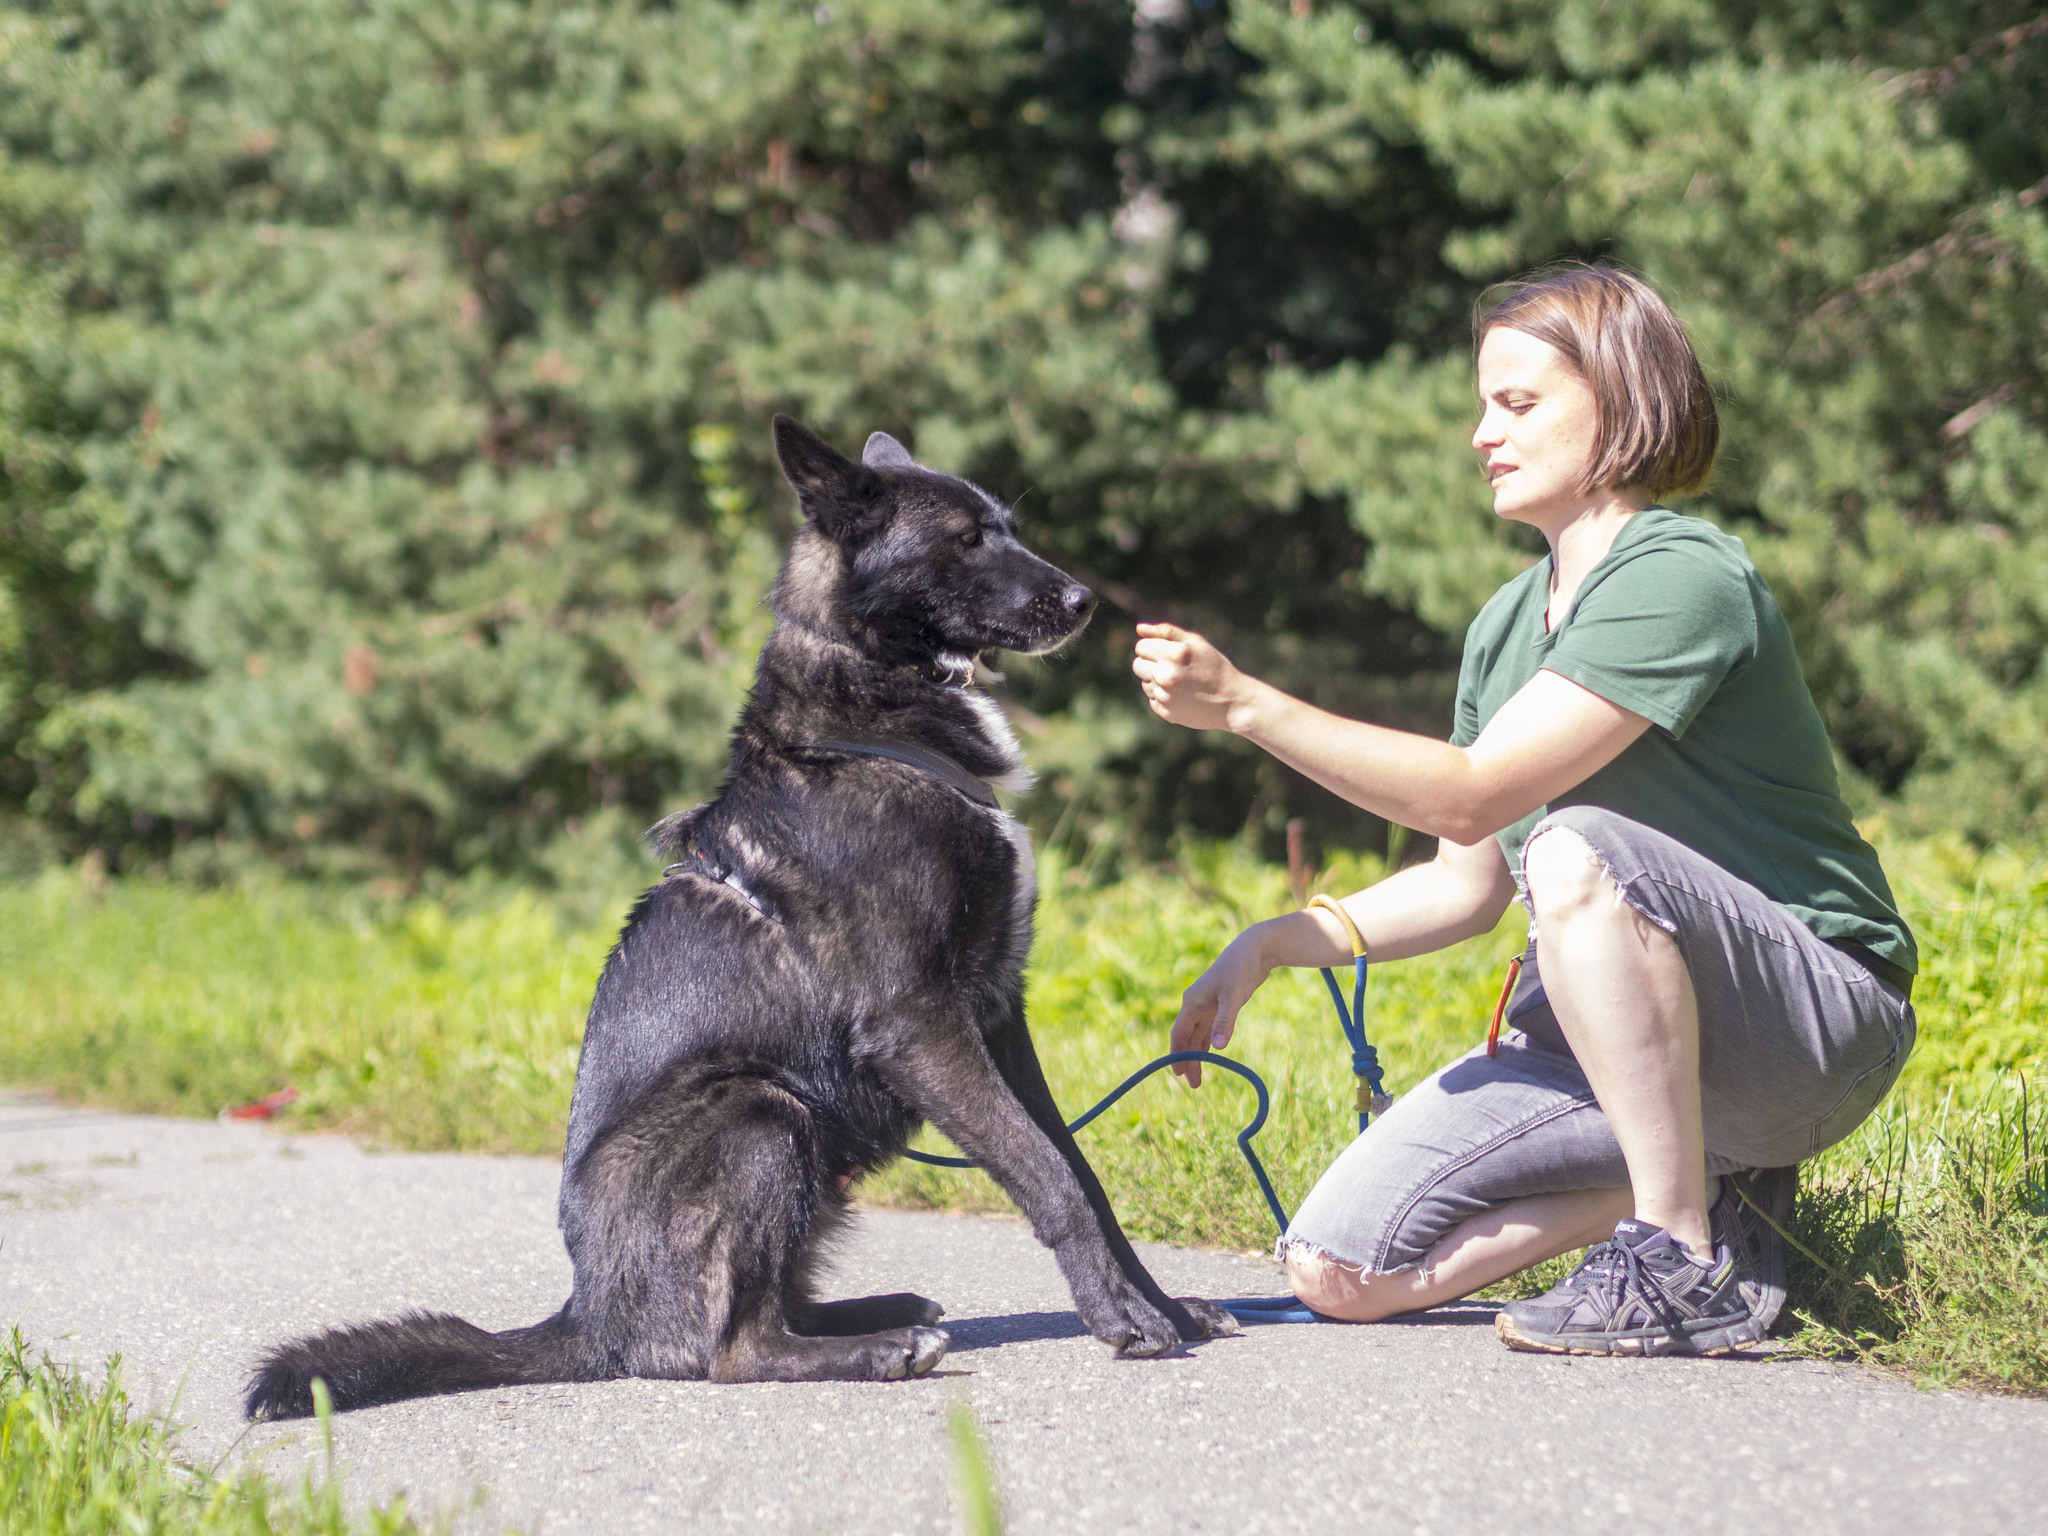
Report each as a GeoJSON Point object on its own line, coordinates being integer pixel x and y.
{"type": "Point", "coordinates": [702, 1210]}
{"type": "Point", "coordinates": [773, 1212]}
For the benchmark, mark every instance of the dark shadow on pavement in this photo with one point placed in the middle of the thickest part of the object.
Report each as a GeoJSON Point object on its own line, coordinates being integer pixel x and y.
{"type": "Point", "coordinates": [1022, 1328]}
{"type": "Point", "coordinates": [1011, 1328]}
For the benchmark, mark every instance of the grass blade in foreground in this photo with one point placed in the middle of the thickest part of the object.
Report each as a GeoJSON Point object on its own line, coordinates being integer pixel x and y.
{"type": "Point", "coordinates": [974, 1474]}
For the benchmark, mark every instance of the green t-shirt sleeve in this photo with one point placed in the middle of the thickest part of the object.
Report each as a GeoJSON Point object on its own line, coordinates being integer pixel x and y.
{"type": "Point", "coordinates": [1465, 713]}
{"type": "Point", "coordinates": [1483, 641]}
{"type": "Point", "coordinates": [1659, 633]}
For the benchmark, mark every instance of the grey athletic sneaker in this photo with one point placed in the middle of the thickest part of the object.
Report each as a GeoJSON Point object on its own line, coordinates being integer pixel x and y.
{"type": "Point", "coordinates": [1756, 1246]}
{"type": "Point", "coordinates": [1641, 1293]}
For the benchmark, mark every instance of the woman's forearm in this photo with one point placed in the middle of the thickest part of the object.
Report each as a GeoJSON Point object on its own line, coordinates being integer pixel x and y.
{"type": "Point", "coordinates": [1549, 736]}
{"type": "Point", "coordinates": [1422, 909]}
{"type": "Point", "coordinates": [1460, 893]}
{"type": "Point", "coordinates": [1413, 781]}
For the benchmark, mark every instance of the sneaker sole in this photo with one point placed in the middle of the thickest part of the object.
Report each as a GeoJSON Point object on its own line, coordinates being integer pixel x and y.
{"type": "Point", "coordinates": [1713, 1341]}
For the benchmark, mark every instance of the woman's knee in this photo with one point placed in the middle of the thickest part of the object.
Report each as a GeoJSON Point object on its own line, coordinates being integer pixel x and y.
{"type": "Point", "coordinates": [1564, 871]}
{"type": "Point", "coordinates": [1340, 1290]}
{"type": "Point", "coordinates": [1568, 868]}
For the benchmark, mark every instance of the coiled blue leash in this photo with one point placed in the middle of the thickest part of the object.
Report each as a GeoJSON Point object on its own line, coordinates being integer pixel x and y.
{"type": "Point", "coordinates": [1208, 1058]}
{"type": "Point", "coordinates": [1373, 1099]}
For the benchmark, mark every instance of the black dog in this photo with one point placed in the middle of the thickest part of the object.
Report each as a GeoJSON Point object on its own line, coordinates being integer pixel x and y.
{"type": "Point", "coordinates": [836, 957]}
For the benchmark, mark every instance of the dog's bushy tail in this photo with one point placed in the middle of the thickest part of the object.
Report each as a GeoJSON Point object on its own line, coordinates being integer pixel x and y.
{"type": "Point", "coordinates": [416, 1355]}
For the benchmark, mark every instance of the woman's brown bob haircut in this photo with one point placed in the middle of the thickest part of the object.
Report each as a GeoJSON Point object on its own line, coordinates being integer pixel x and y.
{"type": "Point", "coordinates": [1657, 429]}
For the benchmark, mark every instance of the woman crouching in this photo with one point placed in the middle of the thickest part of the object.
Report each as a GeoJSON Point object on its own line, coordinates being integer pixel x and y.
{"type": "Point", "coordinates": [1718, 981]}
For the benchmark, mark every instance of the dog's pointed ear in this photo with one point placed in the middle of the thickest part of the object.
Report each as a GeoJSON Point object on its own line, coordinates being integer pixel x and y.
{"type": "Point", "coordinates": [835, 492]}
{"type": "Point", "coordinates": [884, 452]}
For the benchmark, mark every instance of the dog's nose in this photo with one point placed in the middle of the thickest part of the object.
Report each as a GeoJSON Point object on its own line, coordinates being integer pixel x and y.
{"type": "Point", "coordinates": [1077, 599]}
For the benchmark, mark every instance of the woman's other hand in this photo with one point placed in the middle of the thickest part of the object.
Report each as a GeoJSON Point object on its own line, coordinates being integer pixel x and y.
{"type": "Point", "coordinates": [1209, 1008]}
{"type": "Point", "coordinates": [1187, 681]}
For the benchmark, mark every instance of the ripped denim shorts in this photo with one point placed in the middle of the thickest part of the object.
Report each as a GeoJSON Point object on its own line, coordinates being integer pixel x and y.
{"type": "Point", "coordinates": [1798, 1043]}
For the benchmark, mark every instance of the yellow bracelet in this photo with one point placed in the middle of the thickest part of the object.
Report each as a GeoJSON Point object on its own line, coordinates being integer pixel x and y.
{"type": "Point", "coordinates": [1351, 928]}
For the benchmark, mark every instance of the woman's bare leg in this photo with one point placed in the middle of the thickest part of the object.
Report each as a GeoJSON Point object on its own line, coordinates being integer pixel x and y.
{"type": "Point", "coordinates": [1489, 1247]}
{"type": "Point", "coordinates": [1621, 993]}
{"type": "Point", "coordinates": [1624, 999]}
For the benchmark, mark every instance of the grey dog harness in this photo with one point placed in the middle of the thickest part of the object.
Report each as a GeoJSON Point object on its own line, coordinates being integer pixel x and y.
{"type": "Point", "coordinates": [937, 764]}
{"type": "Point", "coordinates": [710, 863]}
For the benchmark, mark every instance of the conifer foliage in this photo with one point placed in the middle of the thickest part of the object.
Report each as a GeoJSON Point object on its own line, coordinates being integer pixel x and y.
{"type": "Point", "coordinates": [384, 480]}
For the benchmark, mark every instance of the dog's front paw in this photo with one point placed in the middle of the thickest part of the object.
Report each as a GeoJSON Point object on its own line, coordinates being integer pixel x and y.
{"type": "Point", "coordinates": [1129, 1324]}
{"type": "Point", "coordinates": [922, 1348]}
{"type": "Point", "coordinates": [1211, 1321]}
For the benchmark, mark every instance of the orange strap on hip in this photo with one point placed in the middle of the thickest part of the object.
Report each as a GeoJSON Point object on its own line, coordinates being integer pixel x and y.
{"type": "Point", "coordinates": [1500, 1008]}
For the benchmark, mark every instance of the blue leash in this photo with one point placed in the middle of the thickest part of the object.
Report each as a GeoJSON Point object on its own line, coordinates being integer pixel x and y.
{"type": "Point", "coordinates": [1209, 1058]}
{"type": "Point", "coordinates": [1373, 1099]}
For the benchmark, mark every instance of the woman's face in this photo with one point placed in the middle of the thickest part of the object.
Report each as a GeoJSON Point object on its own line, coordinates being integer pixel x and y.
{"type": "Point", "coordinates": [1537, 425]}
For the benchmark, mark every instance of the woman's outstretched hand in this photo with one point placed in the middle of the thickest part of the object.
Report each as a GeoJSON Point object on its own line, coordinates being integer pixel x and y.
{"type": "Point", "coordinates": [1209, 1008]}
{"type": "Point", "coordinates": [1186, 680]}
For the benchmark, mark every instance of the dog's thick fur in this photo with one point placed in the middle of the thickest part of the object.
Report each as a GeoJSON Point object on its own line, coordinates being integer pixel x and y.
{"type": "Point", "coordinates": [837, 957]}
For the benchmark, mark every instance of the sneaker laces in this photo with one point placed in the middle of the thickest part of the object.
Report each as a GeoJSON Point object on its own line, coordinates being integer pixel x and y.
{"type": "Point", "coordinates": [1612, 1270]}
{"type": "Point", "coordinates": [1595, 1269]}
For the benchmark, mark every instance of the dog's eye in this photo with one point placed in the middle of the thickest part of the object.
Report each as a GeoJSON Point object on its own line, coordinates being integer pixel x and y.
{"type": "Point", "coordinates": [971, 537]}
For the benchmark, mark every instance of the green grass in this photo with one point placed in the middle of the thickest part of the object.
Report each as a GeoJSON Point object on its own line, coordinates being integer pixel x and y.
{"type": "Point", "coordinates": [429, 1026]}
{"type": "Point", "coordinates": [408, 1023]}
{"type": "Point", "coordinates": [1931, 1228]}
{"type": "Point", "coordinates": [76, 1459]}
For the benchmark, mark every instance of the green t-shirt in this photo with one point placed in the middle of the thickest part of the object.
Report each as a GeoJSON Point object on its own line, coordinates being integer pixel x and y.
{"type": "Point", "coordinates": [1676, 625]}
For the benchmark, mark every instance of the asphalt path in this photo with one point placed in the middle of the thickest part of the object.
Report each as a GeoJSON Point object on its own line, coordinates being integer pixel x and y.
{"type": "Point", "coordinates": [186, 1246]}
